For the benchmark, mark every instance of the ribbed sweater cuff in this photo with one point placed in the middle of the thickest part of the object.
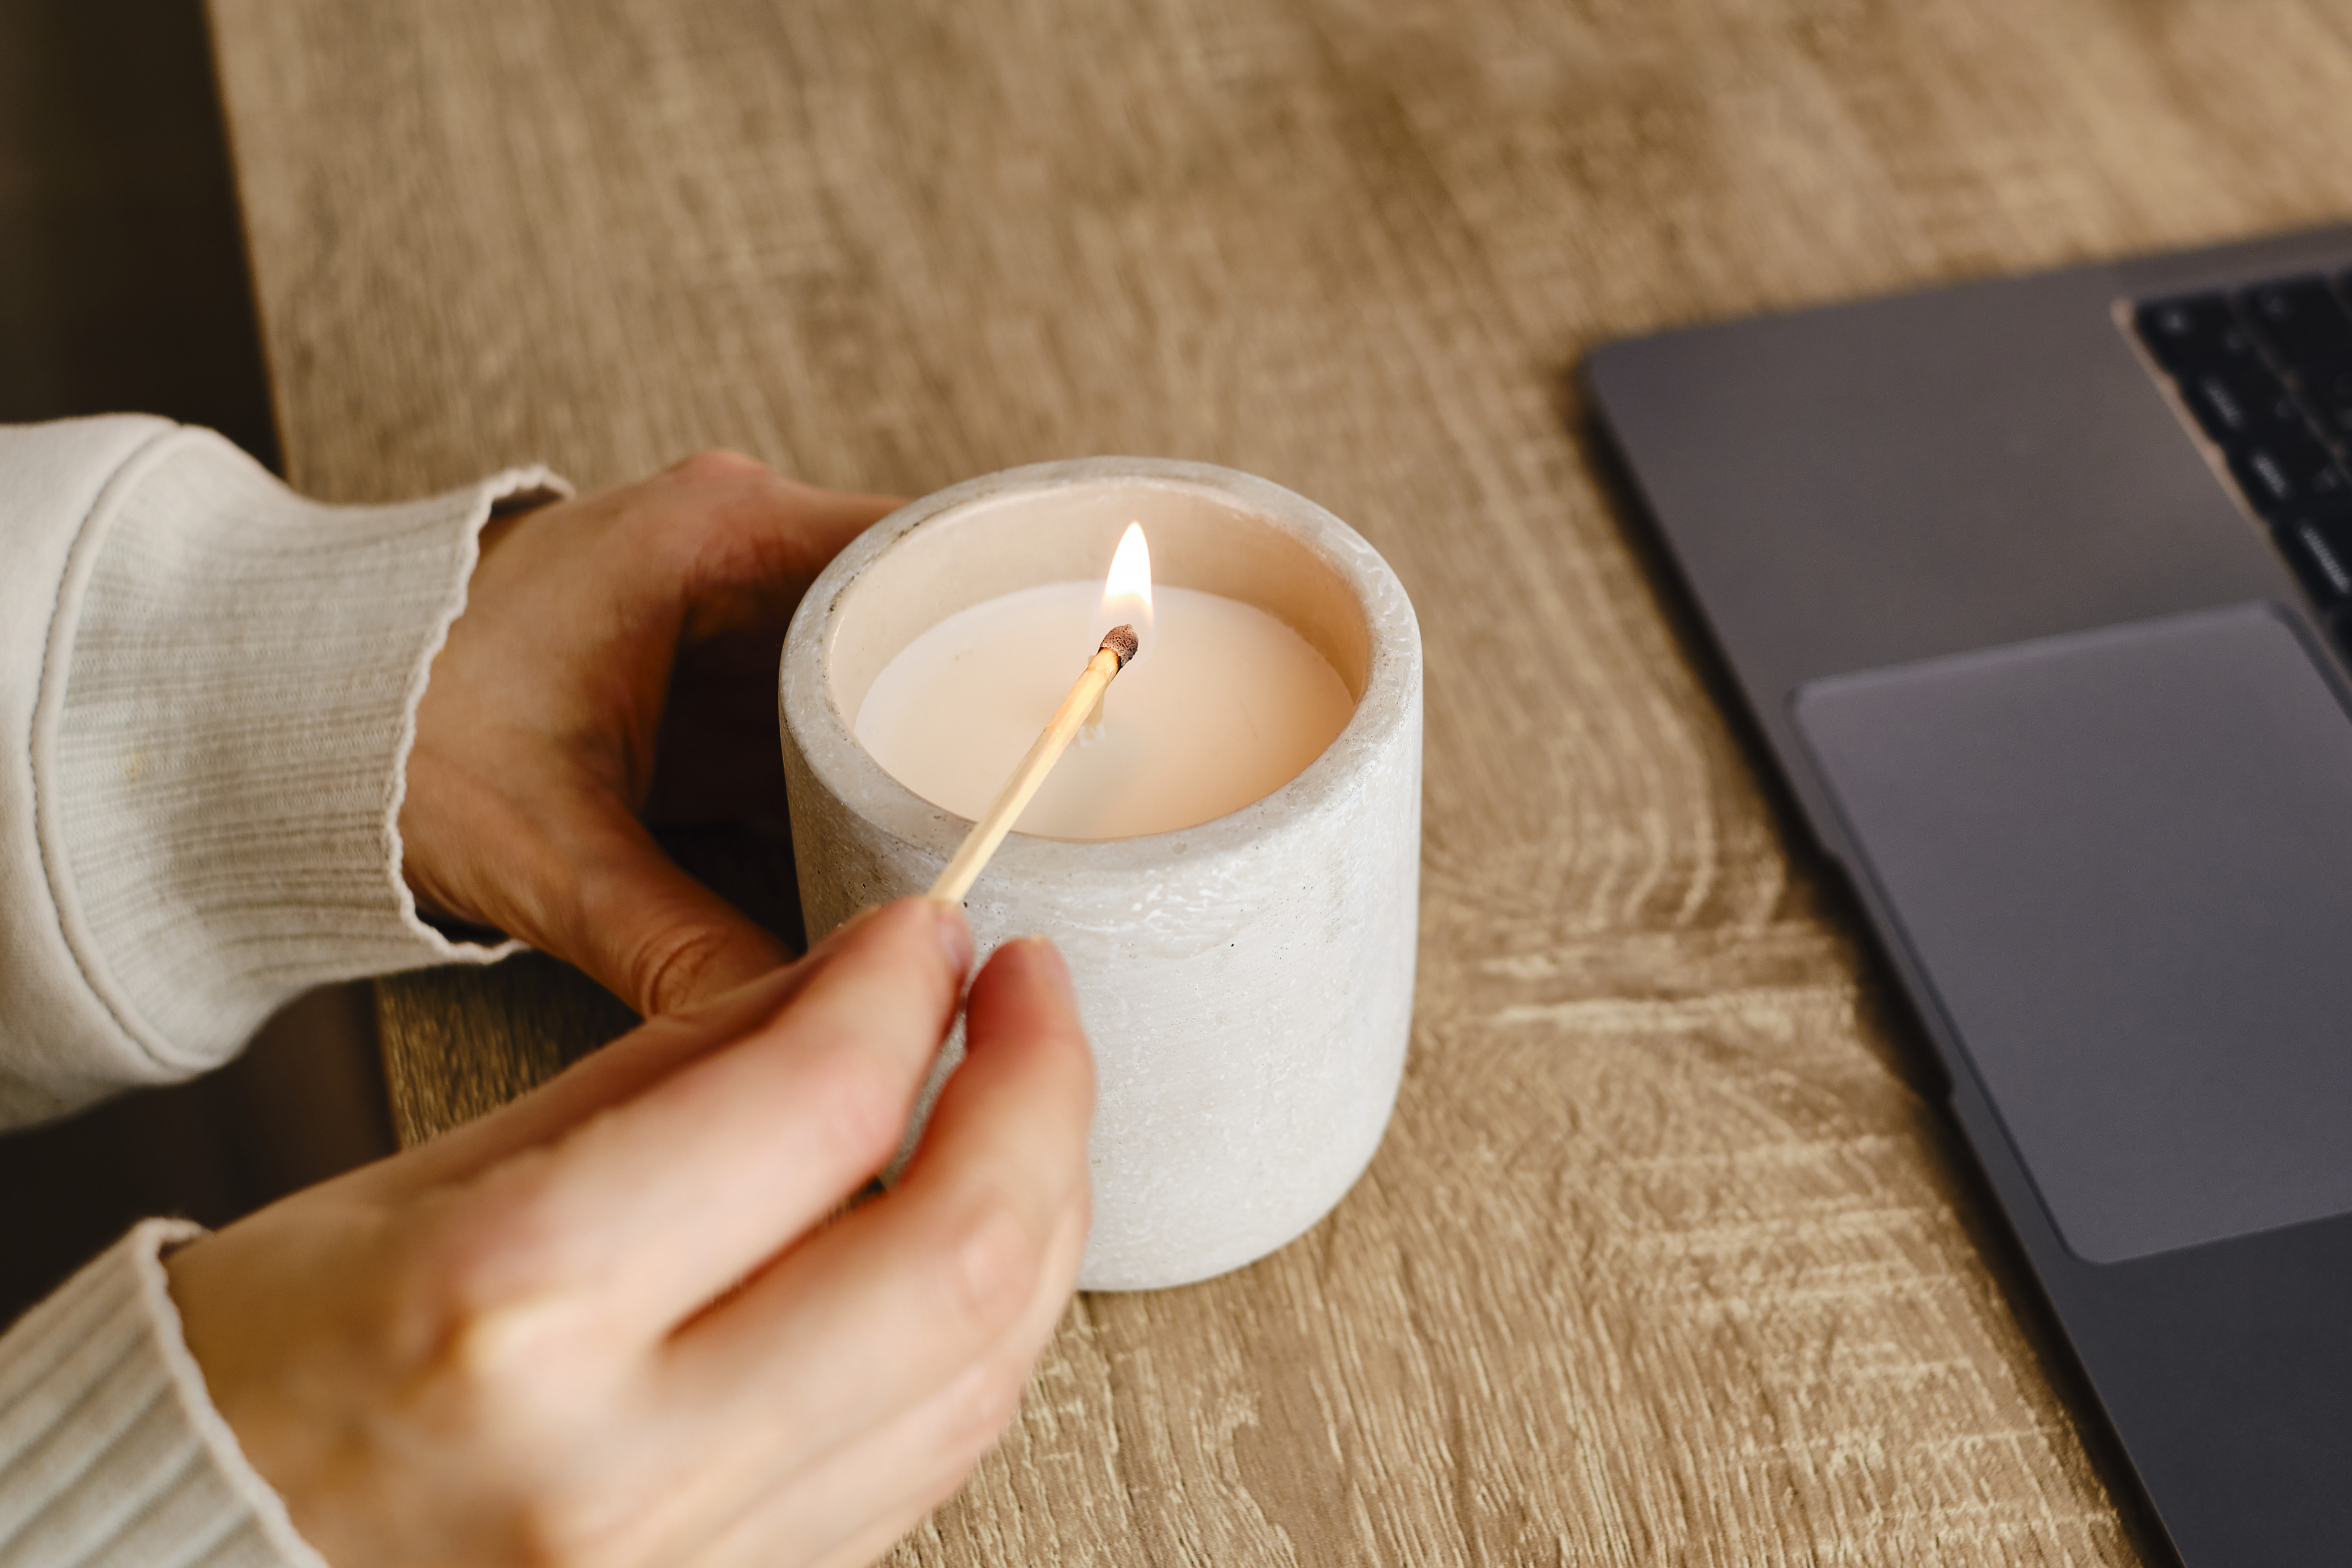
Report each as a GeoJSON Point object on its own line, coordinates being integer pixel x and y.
{"type": "Point", "coordinates": [225, 719]}
{"type": "Point", "coordinates": [111, 1455]}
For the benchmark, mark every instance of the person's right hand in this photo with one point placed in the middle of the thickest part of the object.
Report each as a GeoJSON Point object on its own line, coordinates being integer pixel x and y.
{"type": "Point", "coordinates": [623, 1321]}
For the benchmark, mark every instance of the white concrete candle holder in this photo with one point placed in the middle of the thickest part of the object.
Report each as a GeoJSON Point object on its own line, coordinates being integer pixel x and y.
{"type": "Point", "coordinates": [1247, 983]}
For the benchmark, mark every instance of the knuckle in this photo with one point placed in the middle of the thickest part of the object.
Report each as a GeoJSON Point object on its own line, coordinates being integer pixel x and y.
{"type": "Point", "coordinates": [995, 1264]}
{"type": "Point", "coordinates": [493, 1286]}
{"type": "Point", "coordinates": [551, 1529]}
{"type": "Point", "coordinates": [979, 1413]}
{"type": "Point", "coordinates": [719, 464]}
{"type": "Point", "coordinates": [998, 1402]}
{"type": "Point", "coordinates": [977, 1408]}
{"type": "Point", "coordinates": [669, 970]}
{"type": "Point", "coordinates": [864, 1106]}
{"type": "Point", "coordinates": [701, 540]}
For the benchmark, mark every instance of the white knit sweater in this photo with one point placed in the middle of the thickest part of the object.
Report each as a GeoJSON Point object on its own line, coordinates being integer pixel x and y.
{"type": "Point", "coordinates": [208, 688]}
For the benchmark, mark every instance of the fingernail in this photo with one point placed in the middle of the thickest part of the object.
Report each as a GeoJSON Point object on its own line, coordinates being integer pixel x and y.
{"type": "Point", "coordinates": [866, 912]}
{"type": "Point", "coordinates": [1056, 968]}
{"type": "Point", "coordinates": [955, 936]}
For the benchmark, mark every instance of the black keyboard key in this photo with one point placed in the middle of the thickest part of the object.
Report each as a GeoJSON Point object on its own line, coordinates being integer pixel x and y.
{"type": "Point", "coordinates": [2302, 320]}
{"type": "Point", "coordinates": [2192, 332]}
{"type": "Point", "coordinates": [2326, 393]}
{"type": "Point", "coordinates": [2290, 472]}
{"type": "Point", "coordinates": [2320, 551]}
{"type": "Point", "coordinates": [2236, 406]}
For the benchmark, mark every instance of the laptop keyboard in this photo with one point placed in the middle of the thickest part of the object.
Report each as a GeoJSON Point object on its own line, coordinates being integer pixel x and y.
{"type": "Point", "coordinates": [2266, 371]}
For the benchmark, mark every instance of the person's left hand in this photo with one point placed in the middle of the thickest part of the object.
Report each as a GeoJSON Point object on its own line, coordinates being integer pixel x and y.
{"type": "Point", "coordinates": [617, 660]}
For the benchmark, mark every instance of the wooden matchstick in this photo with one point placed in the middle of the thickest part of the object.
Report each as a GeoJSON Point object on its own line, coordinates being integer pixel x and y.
{"type": "Point", "coordinates": [1118, 645]}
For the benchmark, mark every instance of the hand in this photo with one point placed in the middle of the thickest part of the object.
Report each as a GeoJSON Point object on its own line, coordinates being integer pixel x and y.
{"type": "Point", "coordinates": [617, 656]}
{"type": "Point", "coordinates": [612, 1323]}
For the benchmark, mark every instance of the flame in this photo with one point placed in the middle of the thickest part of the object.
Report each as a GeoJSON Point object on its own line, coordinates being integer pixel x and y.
{"type": "Point", "coordinates": [1126, 591]}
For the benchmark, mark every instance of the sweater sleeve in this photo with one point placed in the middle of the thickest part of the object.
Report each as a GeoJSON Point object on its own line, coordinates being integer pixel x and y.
{"type": "Point", "coordinates": [111, 1455]}
{"type": "Point", "coordinates": [209, 690]}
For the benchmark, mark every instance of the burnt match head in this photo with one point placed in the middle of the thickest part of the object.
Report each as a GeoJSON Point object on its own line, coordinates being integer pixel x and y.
{"type": "Point", "coordinates": [1121, 641]}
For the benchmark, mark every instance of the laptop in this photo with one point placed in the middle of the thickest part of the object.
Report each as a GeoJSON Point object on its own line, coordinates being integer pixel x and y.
{"type": "Point", "coordinates": [2038, 593]}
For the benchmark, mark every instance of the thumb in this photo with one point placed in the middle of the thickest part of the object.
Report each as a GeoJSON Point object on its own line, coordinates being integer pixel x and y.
{"type": "Point", "coordinates": [1021, 1008]}
{"type": "Point", "coordinates": [652, 934]}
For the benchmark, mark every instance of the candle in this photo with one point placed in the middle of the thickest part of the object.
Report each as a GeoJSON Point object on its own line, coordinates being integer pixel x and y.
{"type": "Point", "coordinates": [1225, 707]}
{"type": "Point", "coordinates": [1246, 979]}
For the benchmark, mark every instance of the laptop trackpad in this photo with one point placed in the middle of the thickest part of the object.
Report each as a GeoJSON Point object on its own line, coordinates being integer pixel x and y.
{"type": "Point", "coordinates": [2124, 859]}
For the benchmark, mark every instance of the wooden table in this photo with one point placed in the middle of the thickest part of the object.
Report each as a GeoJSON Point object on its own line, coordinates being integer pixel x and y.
{"type": "Point", "coordinates": [1664, 1260]}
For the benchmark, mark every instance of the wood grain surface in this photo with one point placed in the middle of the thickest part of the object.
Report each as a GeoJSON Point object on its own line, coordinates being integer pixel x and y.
{"type": "Point", "coordinates": [1664, 1260]}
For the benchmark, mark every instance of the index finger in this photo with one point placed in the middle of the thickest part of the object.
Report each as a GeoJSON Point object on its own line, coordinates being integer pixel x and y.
{"type": "Point", "coordinates": [980, 1241]}
{"type": "Point", "coordinates": [658, 1206]}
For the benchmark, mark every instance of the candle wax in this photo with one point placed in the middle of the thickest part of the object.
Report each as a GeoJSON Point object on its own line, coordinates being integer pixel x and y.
{"type": "Point", "coordinates": [1227, 706]}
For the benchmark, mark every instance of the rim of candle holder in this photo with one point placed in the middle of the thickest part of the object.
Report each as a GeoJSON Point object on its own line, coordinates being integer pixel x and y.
{"type": "Point", "coordinates": [809, 710]}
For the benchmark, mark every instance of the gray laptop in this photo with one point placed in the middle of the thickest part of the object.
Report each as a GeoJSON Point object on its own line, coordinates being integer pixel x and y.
{"type": "Point", "coordinates": [2038, 593]}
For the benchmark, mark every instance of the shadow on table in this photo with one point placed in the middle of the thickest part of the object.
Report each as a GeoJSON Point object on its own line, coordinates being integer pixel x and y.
{"type": "Point", "coordinates": [123, 284]}
{"type": "Point", "coordinates": [459, 1042]}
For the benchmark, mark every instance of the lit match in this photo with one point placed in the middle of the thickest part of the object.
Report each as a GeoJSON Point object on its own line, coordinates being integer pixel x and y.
{"type": "Point", "coordinates": [1128, 593]}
